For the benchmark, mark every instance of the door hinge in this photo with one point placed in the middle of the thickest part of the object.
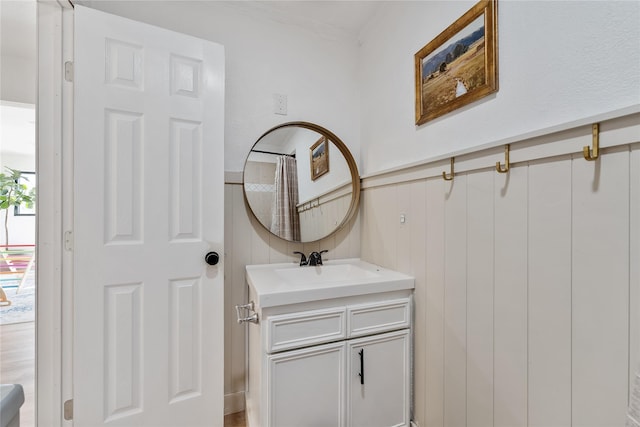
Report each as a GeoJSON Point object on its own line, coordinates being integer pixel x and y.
{"type": "Point", "coordinates": [68, 241]}
{"type": "Point", "coordinates": [68, 71]}
{"type": "Point", "coordinates": [68, 410]}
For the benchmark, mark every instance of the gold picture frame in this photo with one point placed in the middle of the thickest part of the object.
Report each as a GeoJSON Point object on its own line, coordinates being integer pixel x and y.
{"type": "Point", "coordinates": [319, 158]}
{"type": "Point", "coordinates": [460, 65]}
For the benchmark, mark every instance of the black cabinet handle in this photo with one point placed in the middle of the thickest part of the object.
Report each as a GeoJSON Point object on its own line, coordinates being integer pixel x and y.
{"type": "Point", "coordinates": [361, 374]}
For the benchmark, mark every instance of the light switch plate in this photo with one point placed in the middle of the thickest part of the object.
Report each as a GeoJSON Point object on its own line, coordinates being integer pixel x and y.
{"type": "Point", "coordinates": [280, 104]}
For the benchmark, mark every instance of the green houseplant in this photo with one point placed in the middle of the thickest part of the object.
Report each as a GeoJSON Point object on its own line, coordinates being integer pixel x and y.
{"type": "Point", "coordinates": [13, 193]}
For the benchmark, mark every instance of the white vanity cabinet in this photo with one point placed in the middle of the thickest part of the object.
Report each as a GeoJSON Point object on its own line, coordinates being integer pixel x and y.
{"type": "Point", "coordinates": [337, 362]}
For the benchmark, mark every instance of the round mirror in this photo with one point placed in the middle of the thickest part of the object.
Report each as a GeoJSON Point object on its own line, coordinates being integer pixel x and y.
{"type": "Point", "coordinates": [301, 182]}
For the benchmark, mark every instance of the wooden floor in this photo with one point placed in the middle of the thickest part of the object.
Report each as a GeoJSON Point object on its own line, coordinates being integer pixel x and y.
{"type": "Point", "coordinates": [17, 364]}
{"type": "Point", "coordinates": [235, 420]}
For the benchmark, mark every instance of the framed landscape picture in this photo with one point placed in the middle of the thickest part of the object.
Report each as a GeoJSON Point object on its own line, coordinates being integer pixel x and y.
{"type": "Point", "coordinates": [319, 153]}
{"type": "Point", "coordinates": [460, 65]}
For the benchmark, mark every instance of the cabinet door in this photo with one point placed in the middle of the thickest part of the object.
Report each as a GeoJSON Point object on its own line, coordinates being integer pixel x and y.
{"type": "Point", "coordinates": [378, 382]}
{"type": "Point", "coordinates": [306, 387]}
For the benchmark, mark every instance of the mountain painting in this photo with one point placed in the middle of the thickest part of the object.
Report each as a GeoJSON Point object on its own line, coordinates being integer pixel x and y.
{"type": "Point", "coordinates": [458, 66]}
{"type": "Point", "coordinates": [456, 69]}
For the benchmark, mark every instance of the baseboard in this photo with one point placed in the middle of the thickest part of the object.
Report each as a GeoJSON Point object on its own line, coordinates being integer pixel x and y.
{"type": "Point", "coordinates": [233, 402]}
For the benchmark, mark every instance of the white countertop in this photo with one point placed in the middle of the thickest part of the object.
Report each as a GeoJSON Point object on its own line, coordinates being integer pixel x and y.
{"type": "Point", "coordinates": [288, 283]}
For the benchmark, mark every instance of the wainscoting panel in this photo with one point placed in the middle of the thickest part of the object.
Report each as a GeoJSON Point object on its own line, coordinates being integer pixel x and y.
{"type": "Point", "coordinates": [549, 299]}
{"type": "Point", "coordinates": [634, 271]}
{"type": "Point", "coordinates": [527, 300]}
{"type": "Point", "coordinates": [600, 293]}
{"type": "Point", "coordinates": [414, 232]}
{"type": "Point", "coordinates": [237, 253]}
{"type": "Point", "coordinates": [480, 274]}
{"type": "Point", "coordinates": [510, 298]}
{"type": "Point", "coordinates": [380, 213]}
{"type": "Point", "coordinates": [455, 302]}
{"type": "Point", "coordinates": [433, 264]}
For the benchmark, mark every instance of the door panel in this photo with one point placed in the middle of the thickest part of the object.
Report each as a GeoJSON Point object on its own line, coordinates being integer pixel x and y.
{"type": "Point", "coordinates": [306, 387]}
{"type": "Point", "coordinates": [378, 381]}
{"type": "Point", "coordinates": [148, 313]}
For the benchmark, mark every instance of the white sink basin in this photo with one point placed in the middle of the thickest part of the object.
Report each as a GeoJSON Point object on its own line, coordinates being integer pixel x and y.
{"type": "Point", "coordinates": [326, 273]}
{"type": "Point", "coordinates": [288, 283]}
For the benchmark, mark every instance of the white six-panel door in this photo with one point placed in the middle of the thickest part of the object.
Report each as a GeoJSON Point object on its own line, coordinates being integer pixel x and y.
{"type": "Point", "coordinates": [148, 206]}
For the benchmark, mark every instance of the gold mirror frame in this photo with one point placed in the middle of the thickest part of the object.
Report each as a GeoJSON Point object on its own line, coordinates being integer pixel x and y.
{"type": "Point", "coordinates": [340, 145]}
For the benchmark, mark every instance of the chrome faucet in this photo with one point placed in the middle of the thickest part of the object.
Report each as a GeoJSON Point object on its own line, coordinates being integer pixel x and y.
{"type": "Point", "coordinates": [315, 258]}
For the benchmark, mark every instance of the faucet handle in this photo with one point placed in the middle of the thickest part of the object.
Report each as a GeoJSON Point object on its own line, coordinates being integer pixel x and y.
{"type": "Point", "coordinates": [315, 258]}
{"type": "Point", "coordinates": [303, 258]}
{"type": "Point", "coordinates": [324, 251]}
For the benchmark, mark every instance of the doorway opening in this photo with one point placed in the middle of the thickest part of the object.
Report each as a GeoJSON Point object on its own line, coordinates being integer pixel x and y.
{"type": "Point", "coordinates": [18, 251]}
{"type": "Point", "coordinates": [18, 62]}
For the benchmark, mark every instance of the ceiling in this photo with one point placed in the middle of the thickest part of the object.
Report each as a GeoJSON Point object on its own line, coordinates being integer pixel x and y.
{"type": "Point", "coordinates": [324, 17]}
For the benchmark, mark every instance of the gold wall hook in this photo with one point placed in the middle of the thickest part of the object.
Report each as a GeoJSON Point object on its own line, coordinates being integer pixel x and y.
{"type": "Point", "coordinates": [444, 174]}
{"type": "Point", "coordinates": [499, 167]}
{"type": "Point", "coordinates": [593, 153]}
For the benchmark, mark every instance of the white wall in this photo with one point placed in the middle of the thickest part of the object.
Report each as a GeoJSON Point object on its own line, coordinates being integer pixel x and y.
{"type": "Point", "coordinates": [264, 57]}
{"type": "Point", "coordinates": [559, 61]}
{"type": "Point", "coordinates": [18, 51]}
{"type": "Point", "coordinates": [18, 82]}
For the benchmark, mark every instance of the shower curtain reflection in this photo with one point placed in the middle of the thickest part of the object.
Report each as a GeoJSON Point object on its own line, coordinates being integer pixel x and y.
{"type": "Point", "coordinates": [285, 221]}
